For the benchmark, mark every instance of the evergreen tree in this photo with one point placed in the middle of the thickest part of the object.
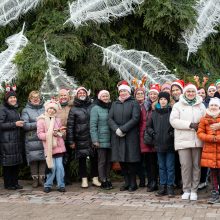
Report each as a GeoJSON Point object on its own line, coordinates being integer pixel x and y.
{"type": "Point", "coordinates": [155, 28]}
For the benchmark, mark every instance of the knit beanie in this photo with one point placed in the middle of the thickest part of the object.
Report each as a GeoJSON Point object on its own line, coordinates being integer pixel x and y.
{"type": "Point", "coordinates": [166, 85]}
{"type": "Point", "coordinates": [214, 101]}
{"type": "Point", "coordinates": [165, 95]}
{"type": "Point", "coordinates": [102, 92]}
{"type": "Point", "coordinates": [10, 91]}
{"type": "Point", "coordinates": [52, 104]}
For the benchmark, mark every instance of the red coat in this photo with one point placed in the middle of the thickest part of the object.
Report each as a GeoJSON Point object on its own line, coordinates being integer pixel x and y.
{"type": "Point", "coordinates": [145, 116]}
{"type": "Point", "coordinates": [211, 149]}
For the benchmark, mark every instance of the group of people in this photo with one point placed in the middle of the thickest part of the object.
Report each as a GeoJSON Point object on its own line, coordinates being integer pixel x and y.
{"type": "Point", "coordinates": [164, 135]}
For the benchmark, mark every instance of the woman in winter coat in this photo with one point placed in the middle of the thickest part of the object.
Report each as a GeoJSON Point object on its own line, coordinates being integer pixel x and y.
{"type": "Point", "coordinates": [150, 155]}
{"type": "Point", "coordinates": [10, 140]}
{"type": "Point", "coordinates": [33, 146]}
{"type": "Point", "coordinates": [100, 134]}
{"type": "Point", "coordinates": [160, 129]}
{"type": "Point", "coordinates": [51, 132]}
{"type": "Point", "coordinates": [66, 104]}
{"type": "Point", "coordinates": [184, 118]}
{"type": "Point", "coordinates": [78, 136]}
{"type": "Point", "coordinates": [211, 149]}
{"type": "Point", "coordinates": [123, 120]}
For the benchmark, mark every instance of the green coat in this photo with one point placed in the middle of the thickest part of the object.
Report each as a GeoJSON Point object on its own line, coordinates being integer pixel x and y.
{"type": "Point", "coordinates": [99, 129]}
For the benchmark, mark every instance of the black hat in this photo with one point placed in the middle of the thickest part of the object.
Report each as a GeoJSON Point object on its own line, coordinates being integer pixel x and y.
{"type": "Point", "coordinates": [165, 95]}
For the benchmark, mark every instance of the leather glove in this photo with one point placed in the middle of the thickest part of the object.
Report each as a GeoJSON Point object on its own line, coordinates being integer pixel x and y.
{"type": "Point", "coordinates": [194, 126]}
{"type": "Point", "coordinates": [120, 133]}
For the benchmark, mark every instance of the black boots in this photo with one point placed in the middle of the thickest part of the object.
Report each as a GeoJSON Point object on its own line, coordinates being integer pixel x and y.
{"type": "Point", "coordinates": [130, 183]}
{"type": "Point", "coordinates": [152, 186]}
{"type": "Point", "coordinates": [126, 184]}
{"type": "Point", "coordinates": [142, 182]}
{"type": "Point", "coordinates": [170, 191]}
{"type": "Point", "coordinates": [162, 190]}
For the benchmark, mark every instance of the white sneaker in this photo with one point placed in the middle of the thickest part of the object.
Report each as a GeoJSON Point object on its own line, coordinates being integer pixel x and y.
{"type": "Point", "coordinates": [95, 181]}
{"type": "Point", "coordinates": [193, 196]}
{"type": "Point", "coordinates": [186, 195]}
{"type": "Point", "coordinates": [84, 183]}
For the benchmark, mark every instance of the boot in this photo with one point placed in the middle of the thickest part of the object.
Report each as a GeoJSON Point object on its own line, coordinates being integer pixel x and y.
{"type": "Point", "coordinates": [126, 183]}
{"type": "Point", "coordinates": [41, 180]}
{"type": "Point", "coordinates": [104, 185]}
{"type": "Point", "coordinates": [35, 181]}
{"type": "Point", "coordinates": [162, 190]}
{"type": "Point", "coordinates": [142, 182]}
{"type": "Point", "coordinates": [152, 186]}
{"type": "Point", "coordinates": [170, 191]}
{"type": "Point", "coordinates": [84, 182]}
{"type": "Point", "coordinates": [133, 183]}
{"type": "Point", "coordinates": [214, 197]}
{"type": "Point", "coordinates": [95, 181]}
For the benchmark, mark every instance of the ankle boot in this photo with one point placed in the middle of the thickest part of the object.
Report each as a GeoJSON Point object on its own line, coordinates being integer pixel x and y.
{"type": "Point", "coordinates": [41, 180]}
{"type": "Point", "coordinates": [142, 182]}
{"type": "Point", "coordinates": [95, 181]}
{"type": "Point", "coordinates": [170, 191]}
{"type": "Point", "coordinates": [125, 186]}
{"type": "Point", "coordinates": [35, 181]}
{"type": "Point", "coordinates": [133, 183]}
{"type": "Point", "coordinates": [162, 190]}
{"type": "Point", "coordinates": [152, 186]}
{"type": "Point", "coordinates": [84, 183]}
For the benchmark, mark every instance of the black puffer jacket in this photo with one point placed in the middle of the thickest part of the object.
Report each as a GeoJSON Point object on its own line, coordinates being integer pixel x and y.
{"type": "Point", "coordinates": [161, 130]}
{"type": "Point", "coordinates": [78, 127]}
{"type": "Point", "coordinates": [125, 116]}
{"type": "Point", "coordinates": [11, 148]}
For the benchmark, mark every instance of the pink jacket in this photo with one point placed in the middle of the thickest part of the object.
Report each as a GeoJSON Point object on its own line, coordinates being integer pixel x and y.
{"type": "Point", "coordinates": [41, 133]}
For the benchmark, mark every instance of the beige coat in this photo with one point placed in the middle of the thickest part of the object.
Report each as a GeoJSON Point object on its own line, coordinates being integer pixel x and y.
{"type": "Point", "coordinates": [181, 116]}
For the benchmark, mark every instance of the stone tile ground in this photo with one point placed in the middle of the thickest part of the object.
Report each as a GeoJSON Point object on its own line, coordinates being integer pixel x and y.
{"type": "Point", "coordinates": [94, 203]}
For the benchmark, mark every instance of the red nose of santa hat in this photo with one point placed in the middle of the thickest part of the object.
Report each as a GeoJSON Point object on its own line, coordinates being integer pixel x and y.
{"type": "Point", "coordinates": [124, 85]}
{"type": "Point", "coordinates": [155, 88]}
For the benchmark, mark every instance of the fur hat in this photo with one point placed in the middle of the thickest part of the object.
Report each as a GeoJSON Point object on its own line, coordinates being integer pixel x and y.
{"type": "Point", "coordinates": [124, 85]}
{"type": "Point", "coordinates": [214, 101]}
{"type": "Point", "coordinates": [179, 82]}
{"type": "Point", "coordinates": [52, 104]}
{"type": "Point", "coordinates": [189, 86]}
{"type": "Point", "coordinates": [102, 92]}
{"type": "Point", "coordinates": [155, 88]}
{"type": "Point", "coordinates": [165, 95]}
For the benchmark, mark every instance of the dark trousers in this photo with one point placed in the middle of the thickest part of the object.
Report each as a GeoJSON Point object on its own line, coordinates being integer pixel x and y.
{"type": "Point", "coordinates": [129, 171]}
{"type": "Point", "coordinates": [204, 171]}
{"type": "Point", "coordinates": [178, 176]}
{"type": "Point", "coordinates": [151, 167]}
{"type": "Point", "coordinates": [104, 163]}
{"type": "Point", "coordinates": [10, 174]}
{"type": "Point", "coordinates": [93, 166]}
{"type": "Point", "coordinates": [215, 178]}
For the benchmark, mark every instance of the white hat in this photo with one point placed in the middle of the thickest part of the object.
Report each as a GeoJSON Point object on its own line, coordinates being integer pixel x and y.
{"type": "Point", "coordinates": [189, 86]}
{"type": "Point", "coordinates": [102, 92]}
{"type": "Point", "coordinates": [214, 101]}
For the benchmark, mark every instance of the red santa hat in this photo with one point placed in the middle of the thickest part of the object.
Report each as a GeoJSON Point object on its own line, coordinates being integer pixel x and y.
{"type": "Point", "coordinates": [212, 86]}
{"type": "Point", "coordinates": [124, 85]}
{"type": "Point", "coordinates": [189, 86]}
{"type": "Point", "coordinates": [179, 82]}
{"type": "Point", "coordinates": [155, 88]}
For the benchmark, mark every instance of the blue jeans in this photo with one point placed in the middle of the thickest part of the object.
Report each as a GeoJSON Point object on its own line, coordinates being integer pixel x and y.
{"type": "Point", "coordinates": [166, 168]}
{"type": "Point", "coordinates": [57, 171]}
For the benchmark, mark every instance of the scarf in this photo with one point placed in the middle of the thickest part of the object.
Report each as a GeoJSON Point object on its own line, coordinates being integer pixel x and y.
{"type": "Point", "coordinates": [103, 104]}
{"type": "Point", "coordinates": [51, 140]}
{"type": "Point", "coordinates": [213, 114]}
{"type": "Point", "coordinates": [122, 99]}
{"type": "Point", "coordinates": [190, 102]}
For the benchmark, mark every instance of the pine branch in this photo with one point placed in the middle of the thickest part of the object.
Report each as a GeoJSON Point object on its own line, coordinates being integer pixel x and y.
{"type": "Point", "coordinates": [55, 77]}
{"type": "Point", "coordinates": [208, 18]}
{"type": "Point", "coordinates": [133, 63]}
{"type": "Point", "coordinates": [100, 11]}
{"type": "Point", "coordinates": [11, 9]}
{"type": "Point", "coordinates": [8, 69]}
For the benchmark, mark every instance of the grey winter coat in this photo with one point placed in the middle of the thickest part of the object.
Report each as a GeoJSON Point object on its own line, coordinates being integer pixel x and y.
{"type": "Point", "coordinates": [125, 116]}
{"type": "Point", "coordinates": [33, 146]}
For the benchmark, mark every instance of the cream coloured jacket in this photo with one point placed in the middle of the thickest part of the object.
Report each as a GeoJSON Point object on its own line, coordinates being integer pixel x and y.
{"type": "Point", "coordinates": [181, 117]}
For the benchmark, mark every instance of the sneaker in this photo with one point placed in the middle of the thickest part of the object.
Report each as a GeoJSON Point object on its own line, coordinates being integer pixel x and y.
{"type": "Point", "coordinates": [193, 196]}
{"type": "Point", "coordinates": [186, 196]}
{"type": "Point", "coordinates": [214, 197]}
{"type": "Point", "coordinates": [202, 186]}
{"type": "Point", "coordinates": [47, 189]}
{"type": "Point", "coordinates": [61, 189]}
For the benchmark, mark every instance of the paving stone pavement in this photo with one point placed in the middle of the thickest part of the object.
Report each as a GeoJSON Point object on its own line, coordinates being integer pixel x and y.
{"type": "Point", "coordinates": [95, 203]}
